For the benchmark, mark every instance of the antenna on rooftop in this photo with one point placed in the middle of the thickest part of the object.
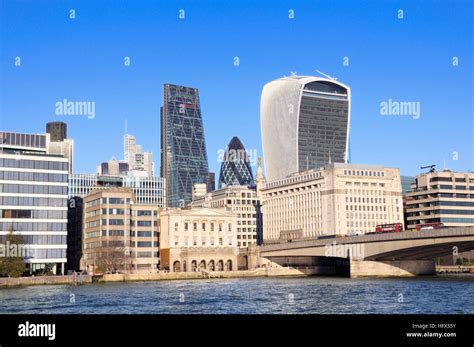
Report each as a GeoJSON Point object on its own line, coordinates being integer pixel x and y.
{"type": "Point", "coordinates": [326, 75]}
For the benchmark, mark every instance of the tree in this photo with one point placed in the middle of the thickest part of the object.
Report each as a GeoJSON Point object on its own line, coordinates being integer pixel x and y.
{"type": "Point", "coordinates": [113, 259]}
{"type": "Point", "coordinates": [12, 263]}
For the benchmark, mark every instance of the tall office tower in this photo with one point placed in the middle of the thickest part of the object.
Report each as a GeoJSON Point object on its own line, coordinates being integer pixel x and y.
{"type": "Point", "coordinates": [235, 167]}
{"type": "Point", "coordinates": [183, 148]}
{"type": "Point", "coordinates": [33, 198]}
{"type": "Point", "coordinates": [211, 182]}
{"type": "Point", "coordinates": [59, 143]}
{"type": "Point", "coordinates": [139, 162]}
{"type": "Point", "coordinates": [305, 124]}
{"type": "Point", "coordinates": [57, 131]}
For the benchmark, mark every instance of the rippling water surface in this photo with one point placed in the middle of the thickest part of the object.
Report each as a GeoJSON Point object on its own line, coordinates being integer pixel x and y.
{"type": "Point", "coordinates": [442, 294]}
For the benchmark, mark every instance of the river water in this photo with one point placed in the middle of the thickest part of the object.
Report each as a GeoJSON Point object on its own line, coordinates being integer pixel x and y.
{"type": "Point", "coordinates": [320, 295]}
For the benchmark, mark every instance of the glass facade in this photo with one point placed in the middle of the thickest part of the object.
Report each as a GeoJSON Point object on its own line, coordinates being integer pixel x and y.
{"type": "Point", "coordinates": [322, 128]}
{"type": "Point", "coordinates": [235, 168]}
{"type": "Point", "coordinates": [305, 124]}
{"type": "Point", "coordinates": [183, 148]}
{"type": "Point", "coordinates": [33, 201]}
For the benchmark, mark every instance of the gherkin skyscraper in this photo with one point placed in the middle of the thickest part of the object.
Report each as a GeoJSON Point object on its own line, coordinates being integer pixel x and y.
{"type": "Point", "coordinates": [183, 148]}
{"type": "Point", "coordinates": [235, 168]}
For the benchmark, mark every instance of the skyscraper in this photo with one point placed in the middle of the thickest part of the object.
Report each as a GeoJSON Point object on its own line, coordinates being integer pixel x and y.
{"type": "Point", "coordinates": [183, 148]}
{"type": "Point", "coordinates": [235, 167]}
{"type": "Point", "coordinates": [305, 124]}
{"type": "Point", "coordinates": [138, 161]}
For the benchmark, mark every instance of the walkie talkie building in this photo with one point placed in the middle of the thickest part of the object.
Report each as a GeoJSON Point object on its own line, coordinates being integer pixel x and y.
{"type": "Point", "coordinates": [183, 148]}
{"type": "Point", "coordinates": [305, 124]}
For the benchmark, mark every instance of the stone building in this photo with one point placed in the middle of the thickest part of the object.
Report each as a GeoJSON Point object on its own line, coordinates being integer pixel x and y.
{"type": "Point", "coordinates": [118, 233]}
{"type": "Point", "coordinates": [339, 199]}
{"type": "Point", "coordinates": [196, 239]}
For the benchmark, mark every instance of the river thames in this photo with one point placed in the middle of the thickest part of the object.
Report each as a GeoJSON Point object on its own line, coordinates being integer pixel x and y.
{"type": "Point", "coordinates": [316, 295]}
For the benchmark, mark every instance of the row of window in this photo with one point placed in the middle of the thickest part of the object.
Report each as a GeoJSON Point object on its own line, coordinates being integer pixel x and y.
{"type": "Point", "coordinates": [366, 208]}
{"type": "Point", "coordinates": [40, 239]}
{"type": "Point", "coordinates": [34, 214]}
{"type": "Point", "coordinates": [32, 189]}
{"type": "Point", "coordinates": [250, 222]}
{"type": "Point", "coordinates": [29, 201]}
{"type": "Point", "coordinates": [470, 212]}
{"type": "Point", "coordinates": [24, 140]}
{"type": "Point", "coordinates": [364, 173]}
{"type": "Point", "coordinates": [31, 226]}
{"type": "Point", "coordinates": [33, 176]}
{"type": "Point", "coordinates": [203, 226]}
{"type": "Point", "coordinates": [368, 200]}
{"type": "Point", "coordinates": [49, 253]}
{"type": "Point", "coordinates": [33, 164]}
{"type": "Point", "coordinates": [246, 215]}
{"type": "Point", "coordinates": [375, 216]}
{"type": "Point", "coordinates": [245, 237]}
{"type": "Point", "coordinates": [203, 242]}
{"type": "Point", "coordinates": [448, 179]}
{"type": "Point", "coordinates": [444, 186]}
{"type": "Point", "coordinates": [246, 230]}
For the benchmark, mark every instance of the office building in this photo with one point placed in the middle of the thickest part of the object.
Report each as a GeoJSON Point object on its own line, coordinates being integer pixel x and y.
{"type": "Point", "coordinates": [113, 167]}
{"type": "Point", "coordinates": [196, 239]}
{"type": "Point", "coordinates": [75, 211]}
{"type": "Point", "coordinates": [59, 143]}
{"type": "Point", "coordinates": [183, 148]}
{"type": "Point", "coordinates": [33, 198]}
{"type": "Point", "coordinates": [339, 199]}
{"type": "Point", "coordinates": [140, 163]}
{"type": "Point", "coordinates": [57, 131]}
{"type": "Point", "coordinates": [241, 200]}
{"type": "Point", "coordinates": [119, 234]}
{"type": "Point", "coordinates": [407, 181]}
{"type": "Point", "coordinates": [147, 190]}
{"type": "Point", "coordinates": [235, 167]}
{"type": "Point", "coordinates": [441, 197]}
{"type": "Point", "coordinates": [211, 182]}
{"type": "Point", "coordinates": [305, 124]}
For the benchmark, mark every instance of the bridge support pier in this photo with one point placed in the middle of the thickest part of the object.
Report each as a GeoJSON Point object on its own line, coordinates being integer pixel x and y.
{"type": "Point", "coordinates": [391, 268]}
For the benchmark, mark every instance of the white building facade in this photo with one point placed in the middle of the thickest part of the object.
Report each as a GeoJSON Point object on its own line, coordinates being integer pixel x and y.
{"type": "Point", "coordinates": [195, 239]}
{"type": "Point", "coordinates": [239, 199]}
{"type": "Point", "coordinates": [339, 199]}
{"type": "Point", "coordinates": [33, 198]}
{"type": "Point", "coordinates": [147, 190]}
{"type": "Point", "coordinates": [305, 120]}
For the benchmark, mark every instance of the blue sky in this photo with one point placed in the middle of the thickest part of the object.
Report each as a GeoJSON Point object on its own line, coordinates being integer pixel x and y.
{"type": "Point", "coordinates": [407, 59]}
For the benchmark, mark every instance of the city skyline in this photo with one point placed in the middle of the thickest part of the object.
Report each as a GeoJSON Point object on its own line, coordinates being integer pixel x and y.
{"type": "Point", "coordinates": [383, 72]}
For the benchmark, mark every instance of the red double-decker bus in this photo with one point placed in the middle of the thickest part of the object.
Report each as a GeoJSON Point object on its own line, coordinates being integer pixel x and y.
{"type": "Point", "coordinates": [429, 226]}
{"type": "Point", "coordinates": [389, 228]}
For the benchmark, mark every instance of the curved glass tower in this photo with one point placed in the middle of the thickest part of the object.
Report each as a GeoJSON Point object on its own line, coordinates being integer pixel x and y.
{"type": "Point", "coordinates": [305, 124]}
{"type": "Point", "coordinates": [235, 168]}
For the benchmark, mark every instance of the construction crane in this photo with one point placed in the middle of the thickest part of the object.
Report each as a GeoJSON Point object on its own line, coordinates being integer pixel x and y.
{"type": "Point", "coordinates": [431, 167]}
